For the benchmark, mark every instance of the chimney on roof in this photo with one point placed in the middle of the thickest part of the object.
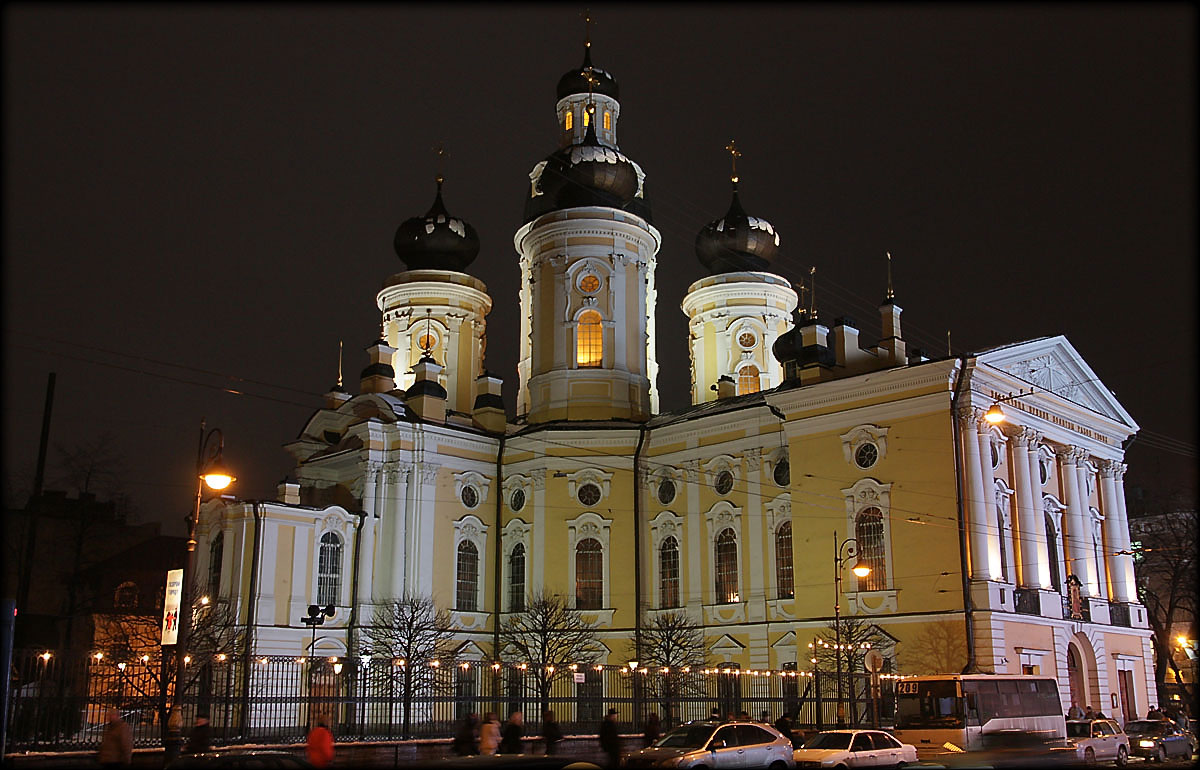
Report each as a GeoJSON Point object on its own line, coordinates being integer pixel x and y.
{"type": "Point", "coordinates": [488, 411]}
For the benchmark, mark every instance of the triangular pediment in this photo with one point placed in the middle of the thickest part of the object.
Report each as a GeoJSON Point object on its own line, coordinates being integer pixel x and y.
{"type": "Point", "coordinates": [1052, 364]}
{"type": "Point", "coordinates": [727, 645]}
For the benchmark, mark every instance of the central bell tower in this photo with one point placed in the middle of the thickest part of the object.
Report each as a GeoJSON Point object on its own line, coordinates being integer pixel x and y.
{"type": "Point", "coordinates": [587, 254]}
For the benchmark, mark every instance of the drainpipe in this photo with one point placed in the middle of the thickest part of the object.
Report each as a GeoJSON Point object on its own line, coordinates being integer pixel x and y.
{"type": "Point", "coordinates": [637, 542]}
{"type": "Point", "coordinates": [968, 606]}
{"type": "Point", "coordinates": [352, 622]}
{"type": "Point", "coordinates": [251, 615]}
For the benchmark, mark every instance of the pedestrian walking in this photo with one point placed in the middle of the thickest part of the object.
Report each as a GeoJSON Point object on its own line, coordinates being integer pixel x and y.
{"type": "Point", "coordinates": [511, 734]}
{"type": "Point", "coordinates": [784, 725]}
{"type": "Point", "coordinates": [652, 728]}
{"type": "Point", "coordinates": [200, 739]}
{"type": "Point", "coordinates": [116, 745]}
{"type": "Point", "coordinates": [551, 733]}
{"type": "Point", "coordinates": [715, 714]}
{"type": "Point", "coordinates": [489, 734]}
{"type": "Point", "coordinates": [1075, 712]}
{"type": "Point", "coordinates": [610, 739]}
{"type": "Point", "coordinates": [320, 745]}
{"type": "Point", "coordinates": [466, 740]}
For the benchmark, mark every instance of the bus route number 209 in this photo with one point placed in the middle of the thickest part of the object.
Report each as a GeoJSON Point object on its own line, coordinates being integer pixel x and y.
{"type": "Point", "coordinates": [906, 688]}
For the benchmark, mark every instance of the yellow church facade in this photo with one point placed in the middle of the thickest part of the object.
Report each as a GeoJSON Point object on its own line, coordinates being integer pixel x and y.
{"type": "Point", "coordinates": [1002, 547]}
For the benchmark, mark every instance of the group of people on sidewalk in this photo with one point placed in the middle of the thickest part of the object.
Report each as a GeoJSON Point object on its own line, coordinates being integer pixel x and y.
{"type": "Point", "coordinates": [490, 737]}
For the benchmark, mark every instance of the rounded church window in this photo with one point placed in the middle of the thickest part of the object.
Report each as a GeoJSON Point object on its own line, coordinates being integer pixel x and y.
{"type": "Point", "coordinates": [866, 455]}
{"type": "Point", "coordinates": [747, 339]}
{"type": "Point", "coordinates": [469, 496]}
{"type": "Point", "coordinates": [995, 455]}
{"type": "Point", "coordinates": [782, 473]}
{"type": "Point", "coordinates": [724, 483]}
{"type": "Point", "coordinates": [516, 500]}
{"type": "Point", "coordinates": [666, 491]}
{"type": "Point", "coordinates": [589, 284]}
{"type": "Point", "coordinates": [589, 494]}
{"type": "Point", "coordinates": [1043, 470]}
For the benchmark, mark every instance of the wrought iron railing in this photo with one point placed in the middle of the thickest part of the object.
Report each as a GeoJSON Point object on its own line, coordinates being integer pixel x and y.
{"type": "Point", "coordinates": [1028, 601]}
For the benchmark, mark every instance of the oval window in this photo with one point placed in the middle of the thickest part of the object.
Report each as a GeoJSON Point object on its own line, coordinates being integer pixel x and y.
{"type": "Point", "coordinates": [782, 473]}
{"type": "Point", "coordinates": [866, 455]}
{"type": "Point", "coordinates": [747, 339]}
{"type": "Point", "coordinates": [516, 501]}
{"type": "Point", "coordinates": [724, 483]}
{"type": "Point", "coordinates": [589, 284]}
{"type": "Point", "coordinates": [470, 497]}
{"type": "Point", "coordinates": [589, 494]}
{"type": "Point", "coordinates": [666, 491]}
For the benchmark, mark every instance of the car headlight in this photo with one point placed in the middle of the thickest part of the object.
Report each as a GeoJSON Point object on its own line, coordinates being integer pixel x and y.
{"type": "Point", "coordinates": [1146, 744]}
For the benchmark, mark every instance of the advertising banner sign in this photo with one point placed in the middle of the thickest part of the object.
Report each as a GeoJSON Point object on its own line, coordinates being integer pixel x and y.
{"type": "Point", "coordinates": [170, 622]}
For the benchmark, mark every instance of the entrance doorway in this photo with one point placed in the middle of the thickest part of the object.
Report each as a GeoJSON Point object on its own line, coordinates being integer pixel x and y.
{"type": "Point", "coordinates": [1125, 682]}
{"type": "Point", "coordinates": [1075, 678]}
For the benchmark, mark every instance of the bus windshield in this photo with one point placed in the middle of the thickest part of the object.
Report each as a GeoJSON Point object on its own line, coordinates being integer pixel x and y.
{"type": "Point", "coordinates": [934, 704]}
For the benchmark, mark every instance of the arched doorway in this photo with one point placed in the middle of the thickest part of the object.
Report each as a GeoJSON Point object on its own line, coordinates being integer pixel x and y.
{"type": "Point", "coordinates": [1075, 677]}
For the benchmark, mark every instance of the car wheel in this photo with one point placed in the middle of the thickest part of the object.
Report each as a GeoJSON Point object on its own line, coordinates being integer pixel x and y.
{"type": "Point", "coordinates": [1122, 756]}
{"type": "Point", "coordinates": [1089, 758]}
{"type": "Point", "coordinates": [1161, 756]}
{"type": "Point", "coordinates": [777, 766]}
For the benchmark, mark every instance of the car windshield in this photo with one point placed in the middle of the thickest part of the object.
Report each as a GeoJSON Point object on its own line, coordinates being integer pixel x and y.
{"type": "Point", "coordinates": [687, 737]}
{"type": "Point", "coordinates": [933, 704]}
{"type": "Point", "coordinates": [1143, 727]}
{"type": "Point", "coordinates": [1079, 730]}
{"type": "Point", "coordinates": [829, 741]}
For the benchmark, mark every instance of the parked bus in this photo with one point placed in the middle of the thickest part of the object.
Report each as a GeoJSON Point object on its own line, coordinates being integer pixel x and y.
{"type": "Point", "coordinates": [954, 712]}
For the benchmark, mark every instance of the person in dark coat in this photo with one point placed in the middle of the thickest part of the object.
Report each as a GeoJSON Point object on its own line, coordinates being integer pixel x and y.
{"type": "Point", "coordinates": [466, 740]}
{"type": "Point", "coordinates": [652, 728]}
{"type": "Point", "coordinates": [551, 733]}
{"type": "Point", "coordinates": [610, 739]}
{"type": "Point", "coordinates": [784, 725]}
{"type": "Point", "coordinates": [512, 732]}
{"type": "Point", "coordinates": [200, 740]}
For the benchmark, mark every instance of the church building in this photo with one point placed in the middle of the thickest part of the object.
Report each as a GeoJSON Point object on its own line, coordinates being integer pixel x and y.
{"type": "Point", "coordinates": [1009, 540]}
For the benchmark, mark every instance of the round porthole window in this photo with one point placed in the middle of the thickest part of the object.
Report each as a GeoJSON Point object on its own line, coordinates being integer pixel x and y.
{"type": "Point", "coordinates": [724, 483]}
{"type": "Point", "coordinates": [866, 455]}
{"type": "Point", "coordinates": [516, 500]}
{"type": "Point", "coordinates": [782, 473]}
{"type": "Point", "coordinates": [589, 284]}
{"type": "Point", "coordinates": [589, 494]}
{"type": "Point", "coordinates": [747, 339]}
{"type": "Point", "coordinates": [469, 496]}
{"type": "Point", "coordinates": [666, 491]}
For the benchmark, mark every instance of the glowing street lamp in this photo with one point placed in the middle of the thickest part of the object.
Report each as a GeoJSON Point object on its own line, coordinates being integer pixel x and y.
{"type": "Point", "coordinates": [861, 569]}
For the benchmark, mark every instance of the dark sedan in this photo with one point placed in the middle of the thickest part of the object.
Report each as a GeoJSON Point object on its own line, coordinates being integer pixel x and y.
{"type": "Point", "coordinates": [1157, 739]}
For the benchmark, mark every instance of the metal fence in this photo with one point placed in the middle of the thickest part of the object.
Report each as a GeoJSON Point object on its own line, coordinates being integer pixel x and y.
{"type": "Point", "coordinates": [60, 701]}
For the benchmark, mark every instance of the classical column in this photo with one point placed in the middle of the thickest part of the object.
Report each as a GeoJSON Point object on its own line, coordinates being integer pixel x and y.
{"type": "Point", "coordinates": [421, 530]}
{"type": "Point", "coordinates": [396, 509]}
{"type": "Point", "coordinates": [977, 508]}
{"type": "Point", "coordinates": [1095, 578]}
{"type": "Point", "coordinates": [536, 567]}
{"type": "Point", "coordinates": [694, 555]}
{"type": "Point", "coordinates": [1032, 564]}
{"type": "Point", "coordinates": [366, 556]}
{"type": "Point", "coordinates": [761, 557]}
{"type": "Point", "coordinates": [1077, 533]}
{"type": "Point", "coordinates": [1121, 558]}
{"type": "Point", "coordinates": [991, 517]}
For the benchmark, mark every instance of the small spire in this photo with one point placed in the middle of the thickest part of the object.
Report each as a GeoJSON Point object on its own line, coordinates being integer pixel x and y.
{"type": "Point", "coordinates": [587, 29]}
{"type": "Point", "coordinates": [812, 291]}
{"type": "Point", "coordinates": [734, 154]}
{"type": "Point", "coordinates": [440, 152]}
{"type": "Point", "coordinates": [339, 381]}
{"type": "Point", "coordinates": [949, 351]}
{"type": "Point", "coordinates": [891, 295]}
{"type": "Point", "coordinates": [427, 340]}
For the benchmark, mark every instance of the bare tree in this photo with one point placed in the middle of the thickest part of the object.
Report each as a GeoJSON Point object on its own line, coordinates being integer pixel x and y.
{"type": "Point", "coordinates": [671, 643]}
{"type": "Point", "coordinates": [547, 636]}
{"type": "Point", "coordinates": [940, 648]}
{"type": "Point", "coordinates": [1165, 555]}
{"type": "Point", "coordinates": [419, 638]}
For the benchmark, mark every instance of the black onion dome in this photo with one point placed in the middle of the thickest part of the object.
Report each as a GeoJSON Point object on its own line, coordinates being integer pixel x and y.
{"type": "Point", "coordinates": [737, 242]}
{"type": "Point", "coordinates": [575, 81]}
{"type": "Point", "coordinates": [586, 174]}
{"type": "Point", "coordinates": [436, 241]}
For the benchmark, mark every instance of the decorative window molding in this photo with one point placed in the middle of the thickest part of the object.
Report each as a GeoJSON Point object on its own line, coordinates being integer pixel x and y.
{"type": "Point", "coordinates": [867, 494]}
{"type": "Point", "coordinates": [1004, 505]}
{"type": "Point", "coordinates": [997, 441]}
{"type": "Point", "coordinates": [864, 434]}
{"type": "Point", "coordinates": [665, 524]}
{"type": "Point", "coordinates": [475, 480]}
{"type": "Point", "coordinates": [723, 515]}
{"type": "Point", "coordinates": [774, 459]}
{"type": "Point", "coordinates": [471, 528]}
{"type": "Point", "coordinates": [515, 532]}
{"type": "Point", "coordinates": [331, 552]}
{"type": "Point", "coordinates": [514, 484]}
{"type": "Point", "coordinates": [336, 520]}
{"type": "Point", "coordinates": [1052, 509]}
{"type": "Point", "coordinates": [1046, 464]}
{"type": "Point", "coordinates": [595, 476]}
{"type": "Point", "coordinates": [582, 527]}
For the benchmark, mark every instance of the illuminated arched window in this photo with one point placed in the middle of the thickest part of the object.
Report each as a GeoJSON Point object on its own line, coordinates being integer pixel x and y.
{"type": "Point", "coordinates": [607, 120]}
{"type": "Point", "coordinates": [467, 583]}
{"type": "Point", "coordinates": [783, 561]}
{"type": "Point", "coordinates": [748, 381]}
{"type": "Point", "coordinates": [868, 530]}
{"type": "Point", "coordinates": [589, 574]}
{"type": "Point", "coordinates": [727, 567]}
{"type": "Point", "coordinates": [1052, 550]}
{"type": "Point", "coordinates": [589, 340]}
{"type": "Point", "coordinates": [570, 120]}
{"type": "Point", "coordinates": [329, 570]}
{"type": "Point", "coordinates": [668, 573]}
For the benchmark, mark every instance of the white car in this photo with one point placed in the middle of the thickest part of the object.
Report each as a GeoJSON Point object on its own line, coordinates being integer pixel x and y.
{"type": "Point", "coordinates": [854, 748]}
{"type": "Point", "coordinates": [1098, 740]}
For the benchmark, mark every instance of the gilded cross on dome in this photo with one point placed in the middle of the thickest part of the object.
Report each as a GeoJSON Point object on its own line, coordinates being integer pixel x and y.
{"type": "Point", "coordinates": [441, 153]}
{"type": "Point", "coordinates": [734, 154]}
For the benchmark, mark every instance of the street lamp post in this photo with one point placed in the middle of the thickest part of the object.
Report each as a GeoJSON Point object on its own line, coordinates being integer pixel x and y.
{"type": "Point", "coordinates": [315, 617]}
{"type": "Point", "coordinates": [210, 470]}
{"type": "Point", "coordinates": [860, 569]}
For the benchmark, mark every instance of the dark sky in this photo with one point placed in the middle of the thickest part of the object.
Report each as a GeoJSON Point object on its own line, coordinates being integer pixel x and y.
{"type": "Point", "coordinates": [201, 197]}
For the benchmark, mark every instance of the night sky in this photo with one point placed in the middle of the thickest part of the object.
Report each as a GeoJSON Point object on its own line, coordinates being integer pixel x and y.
{"type": "Point", "coordinates": [203, 197]}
